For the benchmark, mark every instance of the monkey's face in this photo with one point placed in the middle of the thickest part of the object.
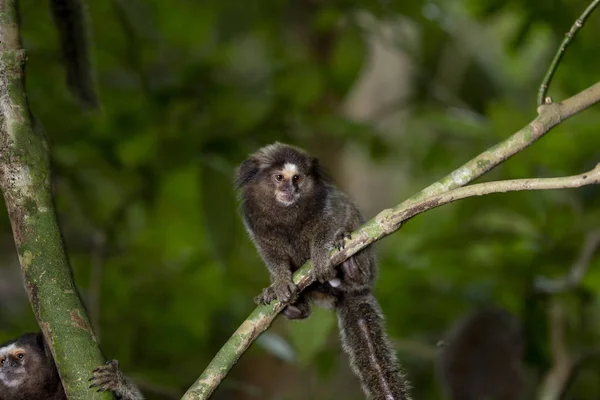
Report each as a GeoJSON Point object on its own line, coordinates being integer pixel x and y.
{"type": "Point", "coordinates": [288, 182]}
{"type": "Point", "coordinates": [14, 360]}
{"type": "Point", "coordinates": [280, 173]}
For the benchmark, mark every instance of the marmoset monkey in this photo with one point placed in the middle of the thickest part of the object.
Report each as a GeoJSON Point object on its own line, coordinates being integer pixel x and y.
{"type": "Point", "coordinates": [293, 213]}
{"type": "Point", "coordinates": [27, 372]}
{"type": "Point", "coordinates": [483, 358]}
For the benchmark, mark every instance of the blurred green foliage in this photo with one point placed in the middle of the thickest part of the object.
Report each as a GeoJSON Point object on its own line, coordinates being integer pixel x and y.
{"type": "Point", "coordinates": [148, 210]}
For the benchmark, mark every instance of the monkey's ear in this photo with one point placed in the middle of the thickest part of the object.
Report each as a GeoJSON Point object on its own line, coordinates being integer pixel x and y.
{"type": "Point", "coordinates": [245, 172]}
{"type": "Point", "coordinates": [318, 170]}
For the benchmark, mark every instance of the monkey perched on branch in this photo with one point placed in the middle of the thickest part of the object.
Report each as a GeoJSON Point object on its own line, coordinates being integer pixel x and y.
{"type": "Point", "coordinates": [293, 213]}
{"type": "Point", "coordinates": [27, 372]}
{"type": "Point", "coordinates": [482, 359]}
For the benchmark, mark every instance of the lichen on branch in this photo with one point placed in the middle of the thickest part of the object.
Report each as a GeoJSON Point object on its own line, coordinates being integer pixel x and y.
{"type": "Point", "coordinates": [25, 184]}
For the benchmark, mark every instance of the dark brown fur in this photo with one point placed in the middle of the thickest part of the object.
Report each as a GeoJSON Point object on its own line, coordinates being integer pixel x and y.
{"type": "Point", "coordinates": [310, 227]}
{"type": "Point", "coordinates": [71, 21]}
{"type": "Point", "coordinates": [483, 358]}
{"type": "Point", "coordinates": [41, 380]}
{"type": "Point", "coordinates": [34, 366]}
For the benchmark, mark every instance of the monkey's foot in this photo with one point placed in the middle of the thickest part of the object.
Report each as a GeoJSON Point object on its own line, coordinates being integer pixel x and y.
{"type": "Point", "coordinates": [296, 311]}
{"type": "Point", "coordinates": [284, 291]}
{"type": "Point", "coordinates": [340, 239]}
{"type": "Point", "coordinates": [265, 297]}
{"type": "Point", "coordinates": [107, 378]}
{"type": "Point", "coordinates": [352, 270]}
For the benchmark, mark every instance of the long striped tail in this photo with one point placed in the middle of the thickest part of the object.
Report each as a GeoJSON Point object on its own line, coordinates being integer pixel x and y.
{"type": "Point", "coordinates": [371, 356]}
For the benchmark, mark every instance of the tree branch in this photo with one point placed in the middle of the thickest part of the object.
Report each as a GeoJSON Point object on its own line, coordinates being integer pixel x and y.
{"type": "Point", "coordinates": [563, 362]}
{"type": "Point", "coordinates": [388, 221]}
{"type": "Point", "coordinates": [561, 50]}
{"type": "Point", "coordinates": [577, 271]}
{"type": "Point", "coordinates": [25, 183]}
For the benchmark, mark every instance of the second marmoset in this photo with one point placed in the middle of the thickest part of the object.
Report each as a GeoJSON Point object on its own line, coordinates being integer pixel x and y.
{"type": "Point", "coordinates": [293, 213]}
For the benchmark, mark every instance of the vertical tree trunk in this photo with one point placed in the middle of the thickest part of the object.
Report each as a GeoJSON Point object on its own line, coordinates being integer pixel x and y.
{"type": "Point", "coordinates": [25, 183]}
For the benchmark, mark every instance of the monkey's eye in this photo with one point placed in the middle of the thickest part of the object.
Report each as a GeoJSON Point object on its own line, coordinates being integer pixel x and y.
{"type": "Point", "coordinates": [297, 178]}
{"type": "Point", "coordinates": [3, 360]}
{"type": "Point", "coordinates": [20, 356]}
{"type": "Point", "coordinates": [279, 177]}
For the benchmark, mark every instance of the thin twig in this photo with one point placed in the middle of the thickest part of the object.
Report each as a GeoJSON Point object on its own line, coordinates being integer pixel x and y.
{"type": "Point", "coordinates": [577, 270]}
{"type": "Point", "coordinates": [561, 51]}
{"type": "Point", "coordinates": [385, 223]}
{"type": "Point", "coordinates": [563, 361]}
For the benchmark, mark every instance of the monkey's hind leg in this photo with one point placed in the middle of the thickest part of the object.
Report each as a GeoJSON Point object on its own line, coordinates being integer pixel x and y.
{"type": "Point", "coordinates": [358, 270]}
{"type": "Point", "coordinates": [298, 310]}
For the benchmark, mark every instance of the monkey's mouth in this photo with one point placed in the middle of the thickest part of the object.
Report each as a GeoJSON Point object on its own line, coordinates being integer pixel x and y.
{"type": "Point", "coordinates": [12, 377]}
{"type": "Point", "coordinates": [287, 199]}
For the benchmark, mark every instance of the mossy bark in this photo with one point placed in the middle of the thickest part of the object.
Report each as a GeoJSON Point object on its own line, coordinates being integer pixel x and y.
{"type": "Point", "coordinates": [25, 183]}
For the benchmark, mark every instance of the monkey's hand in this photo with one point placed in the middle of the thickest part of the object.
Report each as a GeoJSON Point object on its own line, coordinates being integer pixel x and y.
{"type": "Point", "coordinates": [340, 239]}
{"type": "Point", "coordinates": [108, 378]}
{"type": "Point", "coordinates": [284, 290]}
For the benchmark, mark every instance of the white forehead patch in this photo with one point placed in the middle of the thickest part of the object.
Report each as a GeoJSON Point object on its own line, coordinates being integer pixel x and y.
{"type": "Point", "coordinates": [290, 168]}
{"type": "Point", "coordinates": [8, 349]}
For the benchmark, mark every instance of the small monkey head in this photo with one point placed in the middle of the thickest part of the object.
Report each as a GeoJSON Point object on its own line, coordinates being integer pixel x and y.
{"type": "Point", "coordinates": [23, 358]}
{"type": "Point", "coordinates": [281, 172]}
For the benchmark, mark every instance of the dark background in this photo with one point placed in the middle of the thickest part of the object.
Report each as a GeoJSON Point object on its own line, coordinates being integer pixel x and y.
{"type": "Point", "coordinates": [391, 95]}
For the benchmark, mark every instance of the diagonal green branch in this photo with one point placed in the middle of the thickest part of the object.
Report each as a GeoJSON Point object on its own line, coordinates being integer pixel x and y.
{"type": "Point", "coordinates": [387, 222]}
{"type": "Point", "coordinates": [25, 183]}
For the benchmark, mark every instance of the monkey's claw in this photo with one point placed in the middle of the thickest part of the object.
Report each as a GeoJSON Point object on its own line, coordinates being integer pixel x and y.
{"type": "Point", "coordinates": [285, 291]}
{"type": "Point", "coordinates": [352, 270]}
{"type": "Point", "coordinates": [266, 296]}
{"type": "Point", "coordinates": [106, 377]}
{"type": "Point", "coordinates": [340, 239]}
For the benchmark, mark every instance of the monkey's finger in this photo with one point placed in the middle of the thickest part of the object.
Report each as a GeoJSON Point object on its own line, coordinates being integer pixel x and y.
{"type": "Point", "coordinates": [340, 241]}
{"type": "Point", "coordinates": [101, 380]}
{"type": "Point", "coordinates": [350, 269]}
{"type": "Point", "coordinates": [102, 371]}
{"type": "Point", "coordinates": [286, 291]}
{"type": "Point", "coordinates": [104, 384]}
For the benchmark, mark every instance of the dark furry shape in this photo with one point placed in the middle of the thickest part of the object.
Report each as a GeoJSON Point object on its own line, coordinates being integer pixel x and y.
{"type": "Point", "coordinates": [483, 358]}
{"type": "Point", "coordinates": [372, 358]}
{"type": "Point", "coordinates": [293, 213]}
{"type": "Point", "coordinates": [71, 21]}
{"type": "Point", "coordinates": [27, 371]}
{"type": "Point", "coordinates": [108, 378]}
